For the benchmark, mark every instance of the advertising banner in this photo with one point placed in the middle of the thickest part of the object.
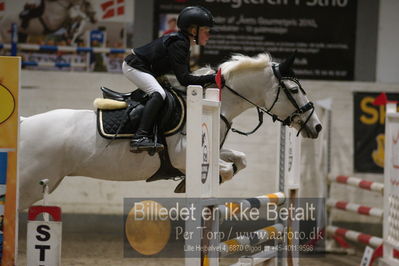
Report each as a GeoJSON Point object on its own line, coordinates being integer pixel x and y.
{"type": "Point", "coordinates": [369, 132]}
{"type": "Point", "coordinates": [67, 23]}
{"type": "Point", "coordinates": [9, 125]}
{"type": "Point", "coordinates": [323, 32]}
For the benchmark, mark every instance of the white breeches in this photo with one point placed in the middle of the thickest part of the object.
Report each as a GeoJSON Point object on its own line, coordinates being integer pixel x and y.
{"type": "Point", "coordinates": [142, 80]}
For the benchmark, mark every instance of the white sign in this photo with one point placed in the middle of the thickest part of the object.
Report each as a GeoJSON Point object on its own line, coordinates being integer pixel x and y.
{"type": "Point", "coordinates": [44, 243]}
{"type": "Point", "coordinates": [366, 259]}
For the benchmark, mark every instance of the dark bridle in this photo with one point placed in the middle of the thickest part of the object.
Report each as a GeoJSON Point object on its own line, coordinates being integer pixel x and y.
{"type": "Point", "coordinates": [261, 111]}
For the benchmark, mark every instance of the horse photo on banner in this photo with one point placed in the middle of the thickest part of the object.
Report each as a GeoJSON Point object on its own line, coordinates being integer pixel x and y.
{"type": "Point", "coordinates": [65, 23]}
{"type": "Point", "coordinates": [9, 130]}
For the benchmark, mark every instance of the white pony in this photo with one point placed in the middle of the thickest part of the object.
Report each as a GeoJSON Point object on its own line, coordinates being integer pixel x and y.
{"type": "Point", "coordinates": [65, 142]}
{"type": "Point", "coordinates": [72, 15]}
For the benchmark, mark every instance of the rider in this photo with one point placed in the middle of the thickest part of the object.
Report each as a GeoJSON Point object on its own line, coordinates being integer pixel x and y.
{"type": "Point", "coordinates": [32, 9]}
{"type": "Point", "coordinates": [170, 52]}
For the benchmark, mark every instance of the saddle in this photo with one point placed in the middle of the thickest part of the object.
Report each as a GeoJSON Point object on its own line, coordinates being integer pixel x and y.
{"type": "Point", "coordinates": [119, 114]}
{"type": "Point", "coordinates": [120, 118]}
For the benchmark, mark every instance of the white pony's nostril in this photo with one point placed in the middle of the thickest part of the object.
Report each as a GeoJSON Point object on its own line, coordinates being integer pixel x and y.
{"type": "Point", "coordinates": [318, 128]}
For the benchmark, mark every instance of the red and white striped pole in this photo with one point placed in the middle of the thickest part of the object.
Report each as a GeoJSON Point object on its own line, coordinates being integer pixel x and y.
{"type": "Point", "coordinates": [357, 182]}
{"type": "Point", "coordinates": [353, 207]}
{"type": "Point", "coordinates": [355, 236]}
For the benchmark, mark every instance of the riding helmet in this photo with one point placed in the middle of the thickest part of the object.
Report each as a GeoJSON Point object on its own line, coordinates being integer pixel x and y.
{"type": "Point", "coordinates": [195, 15]}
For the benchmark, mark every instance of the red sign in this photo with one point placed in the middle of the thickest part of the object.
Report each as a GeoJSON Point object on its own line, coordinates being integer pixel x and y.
{"type": "Point", "coordinates": [113, 8]}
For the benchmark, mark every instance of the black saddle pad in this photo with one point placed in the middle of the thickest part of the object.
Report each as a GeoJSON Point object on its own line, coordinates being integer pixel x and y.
{"type": "Point", "coordinates": [111, 122]}
{"type": "Point", "coordinates": [123, 123]}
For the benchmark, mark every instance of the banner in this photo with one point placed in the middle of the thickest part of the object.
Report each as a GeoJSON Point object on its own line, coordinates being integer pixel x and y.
{"type": "Point", "coordinates": [323, 32]}
{"type": "Point", "coordinates": [369, 132]}
{"type": "Point", "coordinates": [9, 125]}
{"type": "Point", "coordinates": [67, 23]}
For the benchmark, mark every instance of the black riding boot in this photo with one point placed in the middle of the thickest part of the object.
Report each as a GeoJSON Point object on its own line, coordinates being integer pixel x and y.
{"type": "Point", "coordinates": [143, 139]}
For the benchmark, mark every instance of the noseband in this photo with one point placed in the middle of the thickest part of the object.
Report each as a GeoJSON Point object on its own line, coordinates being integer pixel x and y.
{"type": "Point", "coordinates": [261, 111]}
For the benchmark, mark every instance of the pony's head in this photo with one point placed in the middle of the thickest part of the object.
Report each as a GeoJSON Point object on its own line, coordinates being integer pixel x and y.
{"type": "Point", "coordinates": [292, 105]}
{"type": "Point", "coordinates": [275, 89]}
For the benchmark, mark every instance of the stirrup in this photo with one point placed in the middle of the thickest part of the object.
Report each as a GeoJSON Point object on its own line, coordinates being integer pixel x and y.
{"type": "Point", "coordinates": [153, 148]}
{"type": "Point", "coordinates": [156, 148]}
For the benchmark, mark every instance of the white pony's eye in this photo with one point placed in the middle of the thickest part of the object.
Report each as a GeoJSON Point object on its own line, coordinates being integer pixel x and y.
{"type": "Point", "coordinates": [297, 120]}
{"type": "Point", "coordinates": [294, 90]}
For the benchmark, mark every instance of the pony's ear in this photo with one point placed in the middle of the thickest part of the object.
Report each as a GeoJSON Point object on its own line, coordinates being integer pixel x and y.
{"type": "Point", "coordinates": [286, 65]}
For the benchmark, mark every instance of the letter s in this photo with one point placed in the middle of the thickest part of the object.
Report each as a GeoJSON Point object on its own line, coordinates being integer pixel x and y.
{"type": "Point", "coordinates": [365, 106]}
{"type": "Point", "coordinates": [44, 235]}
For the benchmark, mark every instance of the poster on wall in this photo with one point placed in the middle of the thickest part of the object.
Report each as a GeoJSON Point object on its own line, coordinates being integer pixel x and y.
{"type": "Point", "coordinates": [9, 128]}
{"type": "Point", "coordinates": [68, 23]}
{"type": "Point", "coordinates": [369, 132]}
{"type": "Point", "coordinates": [323, 32]}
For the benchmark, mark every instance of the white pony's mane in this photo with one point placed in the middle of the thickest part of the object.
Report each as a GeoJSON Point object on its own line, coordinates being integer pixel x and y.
{"type": "Point", "coordinates": [242, 62]}
{"type": "Point", "coordinates": [236, 63]}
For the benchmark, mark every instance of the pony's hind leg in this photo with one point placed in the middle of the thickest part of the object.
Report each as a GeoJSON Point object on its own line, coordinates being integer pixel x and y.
{"type": "Point", "coordinates": [30, 190]}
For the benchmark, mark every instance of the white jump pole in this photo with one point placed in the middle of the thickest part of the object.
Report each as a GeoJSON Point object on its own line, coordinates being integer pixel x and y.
{"type": "Point", "coordinates": [202, 165]}
{"type": "Point", "coordinates": [288, 176]}
{"type": "Point", "coordinates": [391, 188]}
{"type": "Point", "coordinates": [202, 113]}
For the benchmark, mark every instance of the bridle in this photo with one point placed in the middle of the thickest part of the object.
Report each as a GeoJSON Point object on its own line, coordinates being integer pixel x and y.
{"type": "Point", "coordinates": [261, 111]}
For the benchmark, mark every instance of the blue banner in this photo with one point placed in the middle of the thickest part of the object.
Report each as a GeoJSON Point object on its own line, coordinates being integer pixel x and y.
{"type": "Point", "coordinates": [3, 178]}
{"type": "Point", "coordinates": [3, 167]}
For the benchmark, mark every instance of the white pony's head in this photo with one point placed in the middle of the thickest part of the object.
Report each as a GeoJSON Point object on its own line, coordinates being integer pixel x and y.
{"type": "Point", "coordinates": [275, 88]}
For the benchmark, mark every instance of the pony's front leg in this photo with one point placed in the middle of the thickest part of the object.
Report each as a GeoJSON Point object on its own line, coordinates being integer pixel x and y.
{"type": "Point", "coordinates": [230, 163]}
{"type": "Point", "coordinates": [238, 158]}
{"type": "Point", "coordinates": [226, 170]}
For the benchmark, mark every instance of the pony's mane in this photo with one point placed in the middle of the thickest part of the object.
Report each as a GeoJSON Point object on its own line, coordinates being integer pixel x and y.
{"type": "Point", "coordinates": [242, 62]}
